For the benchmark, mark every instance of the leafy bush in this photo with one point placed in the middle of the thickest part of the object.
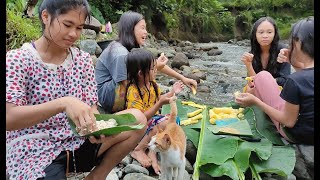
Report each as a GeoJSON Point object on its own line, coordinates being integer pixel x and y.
{"type": "Point", "coordinates": [20, 30]}
{"type": "Point", "coordinates": [16, 5]}
{"type": "Point", "coordinates": [226, 22]}
{"type": "Point", "coordinates": [97, 14]}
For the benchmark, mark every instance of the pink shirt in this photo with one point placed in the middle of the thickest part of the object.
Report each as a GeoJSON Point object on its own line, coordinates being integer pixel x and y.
{"type": "Point", "coordinates": [30, 81]}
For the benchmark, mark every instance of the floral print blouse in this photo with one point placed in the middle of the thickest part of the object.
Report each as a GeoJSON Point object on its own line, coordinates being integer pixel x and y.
{"type": "Point", "coordinates": [30, 81]}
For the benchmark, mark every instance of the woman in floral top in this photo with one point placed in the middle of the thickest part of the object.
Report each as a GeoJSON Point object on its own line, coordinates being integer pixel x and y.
{"type": "Point", "coordinates": [46, 81]}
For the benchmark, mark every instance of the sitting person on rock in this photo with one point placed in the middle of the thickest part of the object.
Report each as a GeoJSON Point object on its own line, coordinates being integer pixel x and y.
{"type": "Point", "coordinates": [111, 71]}
{"type": "Point", "coordinates": [47, 81]}
{"type": "Point", "coordinates": [292, 109]}
{"type": "Point", "coordinates": [143, 93]}
{"type": "Point", "coordinates": [265, 48]}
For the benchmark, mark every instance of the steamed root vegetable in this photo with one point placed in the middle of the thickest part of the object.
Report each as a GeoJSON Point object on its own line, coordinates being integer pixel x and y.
{"type": "Point", "coordinates": [102, 124]}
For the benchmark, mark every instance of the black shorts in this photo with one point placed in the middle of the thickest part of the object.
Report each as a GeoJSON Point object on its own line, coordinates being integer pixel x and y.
{"type": "Point", "coordinates": [85, 159]}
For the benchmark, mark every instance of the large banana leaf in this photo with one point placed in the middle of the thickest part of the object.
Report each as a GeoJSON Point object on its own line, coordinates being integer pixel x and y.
{"type": "Point", "coordinates": [125, 123]}
{"type": "Point", "coordinates": [229, 168]}
{"type": "Point", "coordinates": [265, 126]}
{"type": "Point", "coordinates": [242, 156]}
{"type": "Point", "coordinates": [281, 161]}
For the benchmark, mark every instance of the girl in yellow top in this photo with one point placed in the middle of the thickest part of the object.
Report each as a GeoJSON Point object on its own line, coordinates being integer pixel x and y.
{"type": "Point", "coordinates": [143, 93]}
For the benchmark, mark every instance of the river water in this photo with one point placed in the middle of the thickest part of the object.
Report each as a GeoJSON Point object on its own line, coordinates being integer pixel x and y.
{"type": "Point", "coordinates": [224, 74]}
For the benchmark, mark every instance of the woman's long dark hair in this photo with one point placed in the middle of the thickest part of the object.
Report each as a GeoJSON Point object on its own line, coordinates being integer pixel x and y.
{"type": "Point", "coordinates": [272, 66]}
{"type": "Point", "coordinates": [303, 31]}
{"type": "Point", "coordinates": [126, 24]}
{"type": "Point", "coordinates": [140, 60]}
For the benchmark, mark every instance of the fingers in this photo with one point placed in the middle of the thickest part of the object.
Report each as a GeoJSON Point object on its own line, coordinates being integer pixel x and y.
{"type": "Point", "coordinates": [247, 57]}
{"type": "Point", "coordinates": [283, 55]}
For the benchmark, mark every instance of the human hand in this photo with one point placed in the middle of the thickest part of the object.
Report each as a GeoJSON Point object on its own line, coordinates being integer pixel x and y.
{"type": "Point", "coordinates": [165, 98]}
{"type": "Point", "coordinates": [246, 99]}
{"type": "Point", "coordinates": [247, 58]}
{"type": "Point", "coordinates": [283, 55]}
{"type": "Point", "coordinates": [81, 114]}
{"type": "Point", "coordinates": [189, 82]}
{"type": "Point", "coordinates": [177, 87]}
{"type": "Point", "coordinates": [161, 61]}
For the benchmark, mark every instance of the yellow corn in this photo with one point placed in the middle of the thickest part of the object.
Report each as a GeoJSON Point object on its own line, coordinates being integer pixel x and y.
{"type": "Point", "coordinates": [249, 79]}
{"type": "Point", "coordinates": [212, 121]}
{"type": "Point", "coordinates": [197, 117]}
{"type": "Point", "coordinates": [224, 110]}
{"type": "Point", "coordinates": [194, 113]}
{"type": "Point", "coordinates": [197, 106]}
{"type": "Point", "coordinates": [240, 115]}
{"type": "Point", "coordinates": [187, 102]}
{"type": "Point", "coordinates": [188, 122]}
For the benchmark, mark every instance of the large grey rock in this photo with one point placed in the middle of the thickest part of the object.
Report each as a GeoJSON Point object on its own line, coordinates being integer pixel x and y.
{"type": "Point", "coordinates": [89, 46]}
{"type": "Point", "coordinates": [138, 176]}
{"type": "Point", "coordinates": [94, 60]}
{"type": "Point", "coordinates": [94, 24]}
{"type": "Point", "coordinates": [179, 60]}
{"type": "Point", "coordinates": [89, 34]}
{"type": "Point", "coordinates": [132, 168]}
{"type": "Point", "coordinates": [214, 52]}
{"type": "Point", "coordinates": [191, 152]}
{"type": "Point", "coordinates": [189, 167]}
{"type": "Point", "coordinates": [112, 175]}
{"type": "Point", "coordinates": [304, 167]}
{"type": "Point", "coordinates": [187, 48]}
{"type": "Point", "coordinates": [126, 160]}
{"type": "Point", "coordinates": [205, 46]}
{"type": "Point", "coordinates": [300, 169]}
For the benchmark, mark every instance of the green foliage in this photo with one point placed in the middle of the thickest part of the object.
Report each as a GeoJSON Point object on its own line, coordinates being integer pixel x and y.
{"type": "Point", "coordinates": [225, 21]}
{"type": "Point", "coordinates": [20, 30]}
{"type": "Point", "coordinates": [16, 5]}
{"type": "Point", "coordinates": [97, 14]}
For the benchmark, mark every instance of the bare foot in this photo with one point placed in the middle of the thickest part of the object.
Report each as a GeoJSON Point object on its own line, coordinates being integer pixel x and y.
{"type": "Point", "coordinates": [152, 155]}
{"type": "Point", "coordinates": [141, 157]}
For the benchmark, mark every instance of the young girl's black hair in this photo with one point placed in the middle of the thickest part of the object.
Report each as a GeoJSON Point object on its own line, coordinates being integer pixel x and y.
{"type": "Point", "coordinates": [303, 31]}
{"type": "Point", "coordinates": [58, 7]}
{"type": "Point", "coordinates": [272, 66]}
{"type": "Point", "coordinates": [140, 60]}
{"type": "Point", "coordinates": [126, 24]}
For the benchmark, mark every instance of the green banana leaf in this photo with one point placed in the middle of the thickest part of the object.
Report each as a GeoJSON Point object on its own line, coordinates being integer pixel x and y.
{"type": "Point", "coordinates": [265, 126]}
{"type": "Point", "coordinates": [228, 168]}
{"type": "Point", "coordinates": [242, 156]}
{"type": "Point", "coordinates": [281, 161]}
{"type": "Point", "coordinates": [238, 128]}
{"type": "Point", "coordinates": [125, 123]}
{"type": "Point", "coordinates": [193, 135]}
{"type": "Point", "coordinates": [183, 110]}
{"type": "Point", "coordinates": [213, 148]}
